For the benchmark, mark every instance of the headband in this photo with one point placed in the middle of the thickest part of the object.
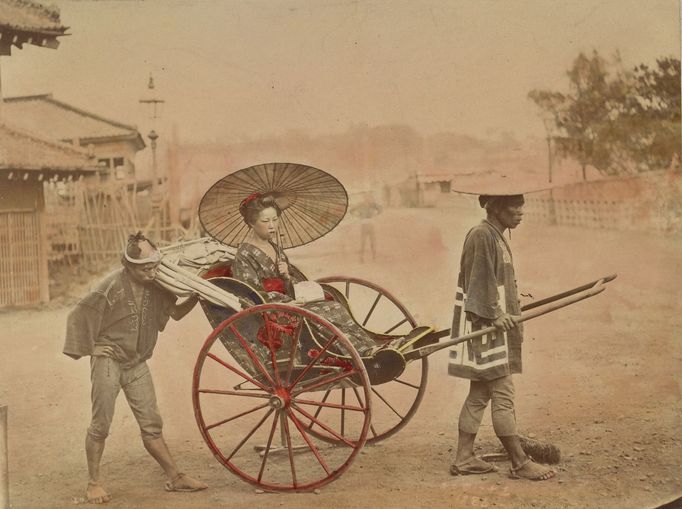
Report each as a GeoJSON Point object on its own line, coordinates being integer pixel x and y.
{"type": "Point", "coordinates": [155, 257]}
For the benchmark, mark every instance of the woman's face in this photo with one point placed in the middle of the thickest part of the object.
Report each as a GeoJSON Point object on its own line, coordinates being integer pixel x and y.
{"type": "Point", "coordinates": [266, 224]}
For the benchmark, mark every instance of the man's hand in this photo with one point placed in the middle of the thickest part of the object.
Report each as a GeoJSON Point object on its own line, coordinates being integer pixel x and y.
{"type": "Point", "coordinates": [506, 322]}
{"type": "Point", "coordinates": [178, 311]}
{"type": "Point", "coordinates": [103, 351]}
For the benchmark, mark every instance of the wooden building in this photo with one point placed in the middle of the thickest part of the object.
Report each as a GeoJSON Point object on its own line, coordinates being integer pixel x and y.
{"type": "Point", "coordinates": [113, 143]}
{"type": "Point", "coordinates": [27, 22]}
{"type": "Point", "coordinates": [27, 162]}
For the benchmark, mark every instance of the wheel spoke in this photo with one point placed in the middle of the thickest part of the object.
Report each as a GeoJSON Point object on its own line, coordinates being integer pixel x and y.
{"type": "Point", "coordinates": [406, 383]}
{"type": "Point", "coordinates": [387, 403]}
{"type": "Point", "coordinates": [287, 435]}
{"type": "Point", "coordinates": [250, 353]}
{"type": "Point", "coordinates": [324, 426]}
{"type": "Point", "coordinates": [273, 359]}
{"type": "Point", "coordinates": [371, 426]}
{"type": "Point", "coordinates": [294, 348]}
{"type": "Point", "coordinates": [245, 439]}
{"type": "Point", "coordinates": [266, 452]}
{"type": "Point", "coordinates": [307, 388]}
{"type": "Point", "coordinates": [233, 393]}
{"type": "Point", "coordinates": [371, 310]}
{"type": "Point", "coordinates": [314, 449]}
{"type": "Point", "coordinates": [313, 362]}
{"type": "Point", "coordinates": [343, 412]}
{"type": "Point", "coordinates": [404, 320]}
{"type": "Point", "coordinates": [237, 371]}
{"type": "Point", "coordinates": [317, 412]}
{"type": "Point", "coordinates": [220, 423]}
{"type": "Point", "coordinates": [329, 405]}
{"type": "Point", "coordinates": [347, 290]}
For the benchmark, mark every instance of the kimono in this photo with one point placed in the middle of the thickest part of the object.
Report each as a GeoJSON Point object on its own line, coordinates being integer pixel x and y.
{"type": "Point", "coordinates": [109, 315]}
{"type": "Point", "coordinates": [486, 289]}
{"type": "Point", "coordinates": [255, 268]}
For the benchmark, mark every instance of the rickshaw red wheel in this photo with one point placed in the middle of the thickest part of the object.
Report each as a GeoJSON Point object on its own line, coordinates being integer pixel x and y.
{"type": "Point", "coordinates": [245, 375]}
{"type": "Point", "coordinates": [408, 388]}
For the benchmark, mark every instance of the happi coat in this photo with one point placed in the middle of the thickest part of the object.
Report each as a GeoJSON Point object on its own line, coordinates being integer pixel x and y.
{"type": "Point", "coordinates": [487, 289]}
{"type": "Point", "coordinates": [255, 268]}
{"type": "Point", "coordinates": [109, 315]}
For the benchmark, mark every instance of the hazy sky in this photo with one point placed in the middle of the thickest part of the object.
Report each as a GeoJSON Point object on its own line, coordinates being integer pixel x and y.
{"type": "Point", "coordinates": [231, 69]}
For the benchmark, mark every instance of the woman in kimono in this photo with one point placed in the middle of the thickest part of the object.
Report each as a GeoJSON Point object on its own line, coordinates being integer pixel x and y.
{"type": "Point", "coordinates": [263, 265]}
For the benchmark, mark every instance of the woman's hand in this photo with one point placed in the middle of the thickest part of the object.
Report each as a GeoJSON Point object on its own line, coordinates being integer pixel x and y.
{"type": "Point", "coordinates": [283, 269]}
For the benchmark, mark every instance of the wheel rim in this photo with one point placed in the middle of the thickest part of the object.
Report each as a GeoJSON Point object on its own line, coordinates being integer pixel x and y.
{"type": "Point", "coordinates": [254, 385]}
{"type": "Point", "coordinates": [396, 402]}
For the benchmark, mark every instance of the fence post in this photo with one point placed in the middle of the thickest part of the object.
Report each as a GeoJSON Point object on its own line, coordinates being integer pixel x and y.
{"type": "Point", "coordinates": [551, 209]}
{"type": "Point", "coordinates": [4, 464]}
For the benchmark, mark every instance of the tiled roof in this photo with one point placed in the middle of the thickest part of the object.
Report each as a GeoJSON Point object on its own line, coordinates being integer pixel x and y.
{"type": "Point", "coordinates": [53, 119]}
{"type": "Point", "coordinates": [24, 21]}
{"type": "Point", "coordinates": [23, 151]}
{"type": "Point", "coordinates": [29, 16]}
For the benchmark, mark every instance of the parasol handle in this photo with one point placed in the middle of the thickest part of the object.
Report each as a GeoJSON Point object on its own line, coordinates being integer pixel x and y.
{"type": "Point", "coordinates": [595, 289]}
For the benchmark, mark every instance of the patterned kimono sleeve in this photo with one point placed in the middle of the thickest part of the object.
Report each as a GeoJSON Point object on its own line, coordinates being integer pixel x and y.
{"type": "Point", "coordinates": [246, 268]}
{"type": "Point", "coordinates": [480, 281]}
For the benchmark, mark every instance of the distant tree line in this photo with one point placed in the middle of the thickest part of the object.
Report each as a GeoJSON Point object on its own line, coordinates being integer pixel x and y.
{"type": "Point", "coordinates": [620, 122]}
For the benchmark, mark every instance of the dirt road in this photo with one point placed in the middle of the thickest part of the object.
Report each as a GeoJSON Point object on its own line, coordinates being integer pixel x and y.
{"type": "Point", "coordinates": [601, 380]}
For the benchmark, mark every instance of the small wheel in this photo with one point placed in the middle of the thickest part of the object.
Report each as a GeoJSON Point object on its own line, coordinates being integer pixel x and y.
{"type": "Point", "coordinates": [378, 311]}
{"type": "Point", "coordinates": [254, 387]}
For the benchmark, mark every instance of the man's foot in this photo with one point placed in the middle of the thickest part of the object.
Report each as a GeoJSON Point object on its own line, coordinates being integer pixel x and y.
{"type": "Point", "coordinates": [183, 482]}
{"type": "Point", "coordinates": [95, 494]}
{"type": "Point", "coordinates": [532, 471]}
{"type": "Point", "coordinates": [471, 465]}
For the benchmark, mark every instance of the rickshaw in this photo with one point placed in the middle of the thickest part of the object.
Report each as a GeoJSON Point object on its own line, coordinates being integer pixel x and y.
{"type": "Point", "coordinates": [282, 397]}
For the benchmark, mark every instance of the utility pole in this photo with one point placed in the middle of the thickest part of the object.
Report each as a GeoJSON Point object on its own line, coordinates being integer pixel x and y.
{"type": "Point", "coordinates": [153, 136]}
{"type": "Point", "coordinates": [548, 130]}
{"type": "Point", "coordinates": [551, 211]}
{"type": "Point", "coordinates": [4, 463]}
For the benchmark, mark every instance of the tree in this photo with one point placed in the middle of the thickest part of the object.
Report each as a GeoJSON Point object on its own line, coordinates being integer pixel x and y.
{"type": "Point", "coordinates": [616, 121]}
{"type": "Point", "coordinates": [582, 118]}
{"type": "Point", "coordinates": [652, 115]}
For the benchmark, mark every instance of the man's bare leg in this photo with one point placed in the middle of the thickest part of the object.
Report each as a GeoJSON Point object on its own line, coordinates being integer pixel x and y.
{"type": "Point", "coordinates": [465, 447]}
{"type": "Point", "coordinates": [177, 481]}
{"type": "Point", "coordinates": [522, 465]}
{"type": "Point", "coordinates": [95, 493]}
{"type": "Point", "coordinates": [465, 459]}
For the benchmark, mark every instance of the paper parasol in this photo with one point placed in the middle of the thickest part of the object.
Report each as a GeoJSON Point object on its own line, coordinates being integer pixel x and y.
{"type": "Point", "coordinates": [312, 202]}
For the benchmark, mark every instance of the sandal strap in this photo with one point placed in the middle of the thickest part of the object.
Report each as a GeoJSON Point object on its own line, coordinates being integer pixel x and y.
{"type": "Point", "coordinates": [177, 478]}
{"type": "Point", "coordinates": [522, 464]}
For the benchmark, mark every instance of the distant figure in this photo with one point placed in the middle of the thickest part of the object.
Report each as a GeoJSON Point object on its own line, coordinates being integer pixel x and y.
{"type": "Point", "coordinates": [117, 325]}
{"type": "Point", "coordinates": [387, 195]}
{"type": "Point", "coordinates": [366, 212]}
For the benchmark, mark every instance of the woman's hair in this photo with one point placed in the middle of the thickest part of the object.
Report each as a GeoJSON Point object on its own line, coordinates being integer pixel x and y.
{"type": "Point", "coordinates": [256, 203]}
